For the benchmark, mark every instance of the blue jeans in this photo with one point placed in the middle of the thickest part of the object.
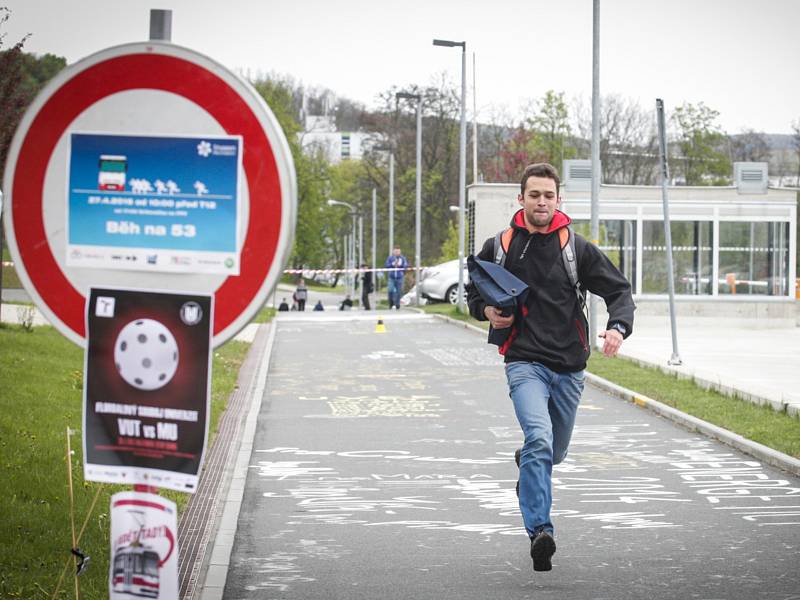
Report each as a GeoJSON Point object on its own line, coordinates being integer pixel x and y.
{"type": "Point", "coordinates": [395, 290]}
{"type": "Point", "coordinates": [546, 404]}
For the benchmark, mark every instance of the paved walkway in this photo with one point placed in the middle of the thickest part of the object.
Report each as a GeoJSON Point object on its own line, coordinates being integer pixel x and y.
{"type": "Point", "coordinates": [386, 471]}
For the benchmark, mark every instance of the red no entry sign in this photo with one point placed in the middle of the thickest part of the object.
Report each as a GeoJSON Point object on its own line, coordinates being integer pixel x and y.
{"type": "Point", "coordinates": [163, 91]}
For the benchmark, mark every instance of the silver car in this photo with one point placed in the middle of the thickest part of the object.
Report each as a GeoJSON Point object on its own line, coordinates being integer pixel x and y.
{"type": "Point", "coordinates": [440, 282]}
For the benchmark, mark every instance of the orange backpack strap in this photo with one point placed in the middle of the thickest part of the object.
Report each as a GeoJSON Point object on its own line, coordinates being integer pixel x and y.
{"type": "Point", "coordinates": [563, 236]}
{"type": "Point", "coordinates": [506, 238]}
{"type": "Point", "coordinates": [502, 241]}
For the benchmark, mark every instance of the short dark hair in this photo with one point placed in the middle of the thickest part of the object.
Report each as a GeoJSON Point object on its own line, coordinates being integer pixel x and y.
{"type": "Point", "coordinates": [540, 170]}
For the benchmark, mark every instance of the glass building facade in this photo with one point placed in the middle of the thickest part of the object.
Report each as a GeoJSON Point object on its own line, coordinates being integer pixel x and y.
{"type": "Point", "coordinates": [725, 243]}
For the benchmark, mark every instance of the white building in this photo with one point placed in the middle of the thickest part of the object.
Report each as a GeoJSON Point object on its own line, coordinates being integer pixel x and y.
{"type": "Point", "coordinates": [321, 133]}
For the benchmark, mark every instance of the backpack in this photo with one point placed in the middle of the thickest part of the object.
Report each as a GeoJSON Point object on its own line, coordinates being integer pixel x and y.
{"type": "Point", "coordinates": [502, 241]}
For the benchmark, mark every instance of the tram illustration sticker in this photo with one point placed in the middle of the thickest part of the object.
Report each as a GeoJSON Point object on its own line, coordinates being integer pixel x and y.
{"type": "Point", "coordinates": [154, 203]}
{"type": "Point", "coordinates": [144, 547]}
{"type": "Point", "coordinates": [146, 387]}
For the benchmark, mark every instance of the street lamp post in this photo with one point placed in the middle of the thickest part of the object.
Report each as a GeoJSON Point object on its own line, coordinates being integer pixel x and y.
{"type": "Point", "coordinates": [418, 215]}
{"type": "Point", "coordinates": [391, 201]}
{"type": "Point", "coordinates": [390, 149]}
{"type": "Point", "coordinates": [374, 233]}
{"type": "Point", "coordinates": [360, 241]}
{"type": "Point", "coordinates": [353, 214]}
{"type": "Point", "coordinates": [462, 164]}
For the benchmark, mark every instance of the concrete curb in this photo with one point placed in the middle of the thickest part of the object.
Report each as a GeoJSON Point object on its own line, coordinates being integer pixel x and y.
{"type": "Point", "coordinates": [754, 449]}
{"type": "Point", "coordinates": [213, 585]}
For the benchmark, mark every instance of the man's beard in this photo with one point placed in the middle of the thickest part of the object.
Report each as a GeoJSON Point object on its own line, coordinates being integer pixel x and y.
{"type": "Point", "coordinates": [540, 220]}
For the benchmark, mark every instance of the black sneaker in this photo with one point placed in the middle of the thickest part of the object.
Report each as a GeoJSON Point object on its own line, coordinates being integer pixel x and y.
{"type": "Point", "coordinates": [543, 546]}
{"type": "Point", "coordinates": [517, 453]}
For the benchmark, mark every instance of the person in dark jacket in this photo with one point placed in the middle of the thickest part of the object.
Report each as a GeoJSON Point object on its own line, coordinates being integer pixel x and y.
{"type": "Point", "coordinates": [346, 304]}
{"type": "Point", "coordinates": [394, 278]}
{"type": "Point", "coordinates": [366, 287]}
{"type": "Point", "coordinates": [547, 349]}
{"type": "Point", "coordinates": [301, 294]}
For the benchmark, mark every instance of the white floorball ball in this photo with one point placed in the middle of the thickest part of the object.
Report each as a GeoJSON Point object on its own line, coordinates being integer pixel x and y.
{"type": "Point", "coordinates": [146, 354]}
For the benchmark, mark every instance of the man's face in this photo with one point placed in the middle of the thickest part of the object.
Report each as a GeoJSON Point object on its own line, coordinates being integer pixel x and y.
{"type": "Point", "coordinates": [396, 251]}
{"type": "Point", "coordinates": [539, 202]}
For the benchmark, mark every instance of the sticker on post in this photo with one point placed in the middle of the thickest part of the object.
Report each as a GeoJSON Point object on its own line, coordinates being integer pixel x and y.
{"type": "Point", "coordinates": [154, 203]}
{"type": "Point", "coordinates": [144, 547]}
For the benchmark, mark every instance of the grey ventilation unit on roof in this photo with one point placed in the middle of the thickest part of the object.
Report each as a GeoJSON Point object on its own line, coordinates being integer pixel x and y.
{"type": "Point", "coordinates": [751, 177]}
{"type": "Point", "coordinates": [577, 175]}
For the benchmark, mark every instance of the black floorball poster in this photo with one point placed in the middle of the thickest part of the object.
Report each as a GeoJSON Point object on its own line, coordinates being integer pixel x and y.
{"type": "Point", "coordinates": [146, 391]}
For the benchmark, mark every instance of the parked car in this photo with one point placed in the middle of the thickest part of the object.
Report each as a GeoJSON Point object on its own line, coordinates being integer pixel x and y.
{"type": "Point", "coordinates": [440, 282]}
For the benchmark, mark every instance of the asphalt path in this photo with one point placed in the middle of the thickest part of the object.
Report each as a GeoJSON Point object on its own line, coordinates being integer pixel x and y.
{"type": "Point", "coordinates": [383, 468]}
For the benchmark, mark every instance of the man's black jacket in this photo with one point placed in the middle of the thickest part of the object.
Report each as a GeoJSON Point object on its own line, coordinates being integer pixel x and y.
{"type": "Point", "coordinates": [551, 328]}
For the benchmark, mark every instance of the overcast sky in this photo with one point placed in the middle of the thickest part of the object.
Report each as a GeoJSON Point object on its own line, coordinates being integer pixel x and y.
{"type": "Point", "coordinates": [739, 57]}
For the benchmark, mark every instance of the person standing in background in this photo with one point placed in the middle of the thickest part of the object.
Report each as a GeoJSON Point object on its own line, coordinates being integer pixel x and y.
{"type": "Point", "coordinates": [399, 263]}
{"type": "Point", "coordinates": [301, 294]}
{"type": "Point", "coordinates": [366, 287]}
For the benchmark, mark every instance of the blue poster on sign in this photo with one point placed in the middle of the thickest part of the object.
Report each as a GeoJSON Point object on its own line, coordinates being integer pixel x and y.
{"type": "Point", "coordinates": [155, 203]}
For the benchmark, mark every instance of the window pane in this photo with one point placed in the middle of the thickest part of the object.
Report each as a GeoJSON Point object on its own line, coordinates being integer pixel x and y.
{"type": "Point", "coordinates": [692, 256]}
{"type": "Point", "coordinates": [618, 243]}
{"type": "Point", "coordinates": [151, 563]}
{"type": "Point", "coordinates": [112, 166]}
{"type": "Point", "coordinates": [754, 258]}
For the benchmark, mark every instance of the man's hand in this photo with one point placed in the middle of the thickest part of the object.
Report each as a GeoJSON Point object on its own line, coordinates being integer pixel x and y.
{"type": "Point", "coordinates": [613, 342]}
{"type": "Point", "coordinates": [495, 317]}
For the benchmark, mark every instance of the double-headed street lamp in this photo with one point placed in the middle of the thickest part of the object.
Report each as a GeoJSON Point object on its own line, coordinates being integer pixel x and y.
{"type": "Point", "coordinates": [418, 216]}
{"type": "Point", "coordinates": [353, 213]}
{"type": "Point", "coordinates": [462, 165]}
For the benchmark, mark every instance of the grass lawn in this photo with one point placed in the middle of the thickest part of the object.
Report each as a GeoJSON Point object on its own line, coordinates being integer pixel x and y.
{"type": "Point", "coordinates": [41, 395]}
{"type": "Point", "coordinates": [451, 310]}
{"type": "Point", "coordinates": [758, 423]}
{"type": "Point", "coordinates": [264, 315]}
{"type": "Point", "coordinates": [10, 277]}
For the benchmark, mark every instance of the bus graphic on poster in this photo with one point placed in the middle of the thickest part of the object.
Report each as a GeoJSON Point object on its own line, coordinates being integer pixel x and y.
{"type": "Point", "coordinates": [112, 170]}
{"type": "Point", "coordinates": [135, 571]}
{"type": "Point", "coordinates": [144, 547]}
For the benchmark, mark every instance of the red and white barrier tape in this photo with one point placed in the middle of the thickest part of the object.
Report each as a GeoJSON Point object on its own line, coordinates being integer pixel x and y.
{"type": "Point", "coordinates": [312, 272]}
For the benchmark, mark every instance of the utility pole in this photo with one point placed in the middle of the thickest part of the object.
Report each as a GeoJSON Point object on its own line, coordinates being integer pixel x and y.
{"type": "Point", "coordinates": [374, 234]}
{"type": "Point", "coordinates": [418, 211]}
{"type": "Point", "coordinates": [391, 202]}
{"type": "Point", "coordinates": [675, 359]}
{"type": "Point", "coordinates": [595, 206]}
{"type": "Point", "coordinates": [474, 126]}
